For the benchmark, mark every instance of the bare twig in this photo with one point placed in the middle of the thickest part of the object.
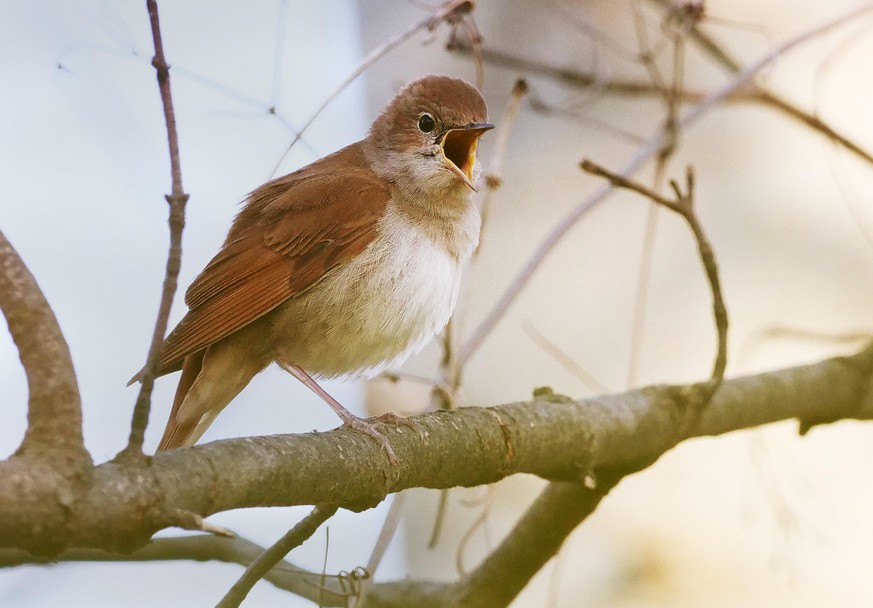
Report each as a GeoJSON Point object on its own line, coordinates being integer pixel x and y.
{"type": "Point", "coordinates": [188, 520]}
{"type": "Point", "coordinates": [652, 147]}
{"type": "Point", "coordinates": [272, 556]}
{"type": "Point", "coordinates": [461, 20]}
{"type": "Point", "coordinates": [449, 11]}
{"type": "Point", "coordinates": [672, 99]}
{"type": "Point", "coordinates": [54, 415]}
{"type": "Point", "coordinates": [684, 206]}
{"type": "Point", "coordinates": [493, 177]}
{"type": "Point", "coordinates": [479, 523]}
{"type": "Point", "coordinates": [705, 42]}
{"type": "Point", "coordinates": [386, 535]}
{"type": "Point", "coordinates": [563, 358]}
{"type": "Point", "coordinates": [177, 200]}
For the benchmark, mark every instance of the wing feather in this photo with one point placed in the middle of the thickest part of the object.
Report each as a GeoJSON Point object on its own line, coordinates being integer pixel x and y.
{"type": "Point", "coordinates": [290, 233]}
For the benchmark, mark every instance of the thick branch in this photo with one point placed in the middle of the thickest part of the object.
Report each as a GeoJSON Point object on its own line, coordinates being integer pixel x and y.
{"type": "Point", "coordinates": [52, 462]}
{"type": "Point", "coordinates": [553, 437]}
{"type": "Point", "coordinates": [54, 414]}
{"type": "Point", "coordinates": [534, 540]}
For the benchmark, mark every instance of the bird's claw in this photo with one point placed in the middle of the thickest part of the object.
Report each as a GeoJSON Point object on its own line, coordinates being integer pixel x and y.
{"type": "Point", "coordinates": [412, 423]}
{"type": "Point", "coordinates": [362, 426]}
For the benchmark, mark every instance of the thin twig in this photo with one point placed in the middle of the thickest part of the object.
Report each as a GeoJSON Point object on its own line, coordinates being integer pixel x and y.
{"type": "Point", "coordinates": [712, 48]}
{"type": "Point", "coordinates": [177, 200]}
{"type": "Point", "coordinates": [386, 535]}
{"type": "Point", "coordinates": [568, 362]}
{"type": "Point", "coordinates": [684, 206]}
{"type": "Point", "coordinates": [269, 558]}
{"type": "Point", "coordinates": [672, 98]}
{"type": "Point", "coordinates": [448, 12]}
{"type": "Point", "coordinates": [652, 147]}
{"type": "Point", "coordinates": [493, 177]}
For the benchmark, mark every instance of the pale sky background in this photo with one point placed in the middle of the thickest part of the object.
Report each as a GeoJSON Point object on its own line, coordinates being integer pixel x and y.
{"type": "Point", "coordinates": [84, 162]}
{"type": "Point", "coordinates": [754, 520]}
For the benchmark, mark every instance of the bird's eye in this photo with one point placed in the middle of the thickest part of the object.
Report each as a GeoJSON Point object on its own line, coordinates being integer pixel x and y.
{"type": "Point", "coordinates": [426, 123]}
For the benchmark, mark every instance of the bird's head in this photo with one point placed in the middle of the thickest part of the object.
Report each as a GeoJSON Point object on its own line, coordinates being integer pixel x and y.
{"type": "Point", "coordinates": [425, 140]}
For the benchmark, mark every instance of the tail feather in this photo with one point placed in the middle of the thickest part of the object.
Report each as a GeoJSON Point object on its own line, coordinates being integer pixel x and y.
{"type": "Point", "coordinates": [179, 432]}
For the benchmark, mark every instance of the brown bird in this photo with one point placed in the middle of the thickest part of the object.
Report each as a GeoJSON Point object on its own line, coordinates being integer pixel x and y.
{"type": "Point", "coordinates": [341, 268]}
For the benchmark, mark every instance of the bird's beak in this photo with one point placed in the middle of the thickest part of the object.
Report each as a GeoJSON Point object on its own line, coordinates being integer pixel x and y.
{"type": "Point", "coordinates": [458, 147]}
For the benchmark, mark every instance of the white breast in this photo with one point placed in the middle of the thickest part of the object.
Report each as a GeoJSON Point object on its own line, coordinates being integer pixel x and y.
{"type": "Point", "coordinates": [381, 307]}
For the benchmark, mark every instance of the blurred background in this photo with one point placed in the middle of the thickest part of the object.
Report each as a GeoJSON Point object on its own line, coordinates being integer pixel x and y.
{"type": "Point", "coordinates": [754, 519]}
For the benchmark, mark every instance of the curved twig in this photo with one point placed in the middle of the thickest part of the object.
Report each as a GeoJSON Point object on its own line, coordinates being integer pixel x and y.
{"type": "Point", "coordinates": [684, 206]}
{"type": "Point", "coordinates": [54, 416]}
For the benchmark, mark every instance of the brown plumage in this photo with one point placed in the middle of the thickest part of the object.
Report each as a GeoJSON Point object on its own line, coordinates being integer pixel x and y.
{"type": "Point", "coordinates": [341, 267]}
{"type": "Point", "coordinates": [290, 233]}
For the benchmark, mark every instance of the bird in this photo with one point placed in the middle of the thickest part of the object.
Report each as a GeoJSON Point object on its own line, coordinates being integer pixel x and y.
{"type": "Point", "coordinates": [339, 269]}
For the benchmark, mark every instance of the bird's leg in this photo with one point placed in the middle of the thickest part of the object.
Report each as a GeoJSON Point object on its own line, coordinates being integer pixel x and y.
{"type": "Point", "coordinates": [348, 418]}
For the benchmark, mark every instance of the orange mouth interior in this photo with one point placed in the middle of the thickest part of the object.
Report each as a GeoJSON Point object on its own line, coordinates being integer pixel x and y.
{"type": "Point", "coordinates": [459, 147]}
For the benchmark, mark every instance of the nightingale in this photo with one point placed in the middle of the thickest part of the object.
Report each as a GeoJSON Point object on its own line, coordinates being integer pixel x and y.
{"type": "Point", "coordinates": [341, 268]}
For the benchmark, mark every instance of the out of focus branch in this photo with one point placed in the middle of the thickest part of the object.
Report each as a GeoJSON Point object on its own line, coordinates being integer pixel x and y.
{"type": "Point", "coordinates": [750, 93]}
{"type": "Point", "coordinates": [204, 548]}
{"type": "Point", "coordinates": [650, 148]}
{"type": "Point", "coordinates": [684, 206]}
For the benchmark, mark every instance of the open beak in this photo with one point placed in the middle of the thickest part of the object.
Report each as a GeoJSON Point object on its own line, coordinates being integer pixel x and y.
{"type": "Point", "coordinates": [459, 149]}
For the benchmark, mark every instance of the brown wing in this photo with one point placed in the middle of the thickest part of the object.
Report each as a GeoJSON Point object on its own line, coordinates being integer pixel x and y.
{"type": "Point", "coordinates": [291, 231]}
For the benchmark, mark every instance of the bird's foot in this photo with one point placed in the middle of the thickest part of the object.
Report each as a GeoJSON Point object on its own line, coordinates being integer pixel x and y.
{"type": "Point", "coordinates": [363, 426]}
{"type": "Point", "coordinates": [412, 423]}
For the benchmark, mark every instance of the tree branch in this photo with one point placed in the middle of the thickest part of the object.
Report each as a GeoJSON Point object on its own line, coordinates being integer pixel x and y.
{"type": "Point", "coordinates": [54, 416]}
{"type": "Point", "coordinates": [553, 437]}
{"type": "Point", "coordinates": [533, 541]}
{"type": "Point", "coordinates": [52, 459]}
